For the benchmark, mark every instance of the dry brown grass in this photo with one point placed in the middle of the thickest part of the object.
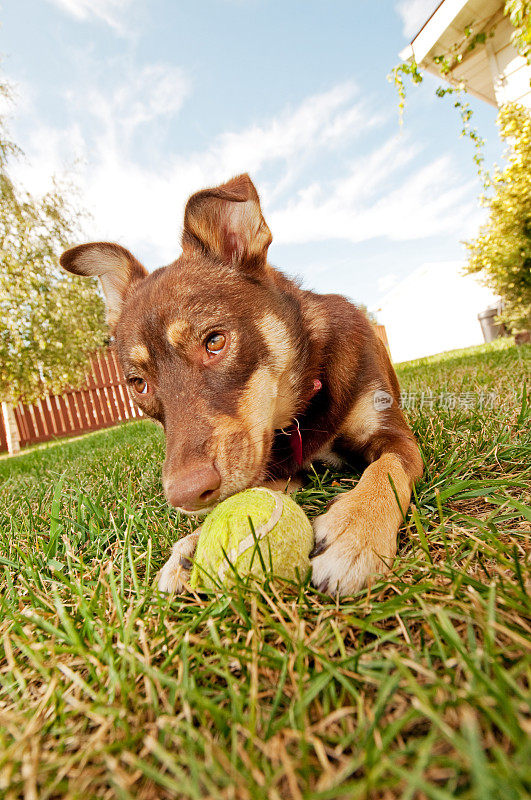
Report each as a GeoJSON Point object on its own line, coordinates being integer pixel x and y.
{"type": "Point", "coordinates": [416, 689]}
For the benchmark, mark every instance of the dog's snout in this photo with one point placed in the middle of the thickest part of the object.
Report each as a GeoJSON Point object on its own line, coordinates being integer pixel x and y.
{"type": "Point", "coordinates": [193, 489]}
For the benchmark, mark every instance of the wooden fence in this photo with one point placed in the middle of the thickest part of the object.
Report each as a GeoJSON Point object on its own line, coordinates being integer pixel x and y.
{"type": "Point", "coordinates": [3, 437]}
{"type": "Point", "coordinates": [102, 402]}
{"type": "Point", "coordinates": [381, 333]}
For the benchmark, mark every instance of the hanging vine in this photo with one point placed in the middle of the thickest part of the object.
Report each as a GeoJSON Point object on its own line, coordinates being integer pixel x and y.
{"type": "Point", "coordinates": [519, 13]}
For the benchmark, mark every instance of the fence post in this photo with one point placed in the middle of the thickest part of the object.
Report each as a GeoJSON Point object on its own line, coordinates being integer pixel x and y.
{"type": "Point", "coordinates": [382, 335]}
{"type": "Point", "coordinates": [10, 425]}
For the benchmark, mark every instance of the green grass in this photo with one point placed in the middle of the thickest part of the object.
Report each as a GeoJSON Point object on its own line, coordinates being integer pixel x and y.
{"type": "Point", "coordinates": [418, 689]}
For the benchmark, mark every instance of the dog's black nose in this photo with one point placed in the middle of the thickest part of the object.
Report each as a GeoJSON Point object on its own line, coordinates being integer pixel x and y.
{"type": "Point", "coordinates": [193, 489]}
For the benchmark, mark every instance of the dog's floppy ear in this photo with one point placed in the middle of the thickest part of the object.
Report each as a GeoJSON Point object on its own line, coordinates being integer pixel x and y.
{"type": "Point", "coordinates": [227, 222]}
{"type": "Point", "coordinates": [115, 266]}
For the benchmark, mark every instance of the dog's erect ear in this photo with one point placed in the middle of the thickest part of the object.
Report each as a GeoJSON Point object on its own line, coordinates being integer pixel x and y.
{"type": "Point", "coordinates": [227, 222]}
{"type": "Point", "coordinates": [115, 266]}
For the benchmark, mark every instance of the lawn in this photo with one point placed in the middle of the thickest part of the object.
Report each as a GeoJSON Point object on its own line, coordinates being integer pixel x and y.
{"type": "Point", "coordinates": [418, 689]}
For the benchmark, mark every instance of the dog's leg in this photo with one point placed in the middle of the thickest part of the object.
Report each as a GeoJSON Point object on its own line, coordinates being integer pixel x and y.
{"type": "Point", "coordinates": [175, 574]}
{"type": "Point", "coordinates": [356, 538]}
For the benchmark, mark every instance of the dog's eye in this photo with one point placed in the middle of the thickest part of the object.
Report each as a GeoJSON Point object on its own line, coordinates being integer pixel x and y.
{"type": "Point", "coordinates": [139, 385]}
{"type": "Point", "coordinates": [215, 343]}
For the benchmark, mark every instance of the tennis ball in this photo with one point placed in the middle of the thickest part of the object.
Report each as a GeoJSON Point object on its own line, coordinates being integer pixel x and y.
{"type": "Point", "coordinates": [282, 535]}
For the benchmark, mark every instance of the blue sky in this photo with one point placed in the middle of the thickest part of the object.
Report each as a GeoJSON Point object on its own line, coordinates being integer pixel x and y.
{"type": "Point", "coordinates": [147, 102]}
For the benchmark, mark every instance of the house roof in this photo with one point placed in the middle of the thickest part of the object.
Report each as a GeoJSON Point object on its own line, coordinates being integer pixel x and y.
{"type": "Point", "coordinates": [444, 33]}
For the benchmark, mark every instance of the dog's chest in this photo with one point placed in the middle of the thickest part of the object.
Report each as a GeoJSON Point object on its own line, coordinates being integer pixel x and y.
{"type": "Point", "coordinates": [285, 461]}
{"type": "Point", "coordinates": [326, 455]}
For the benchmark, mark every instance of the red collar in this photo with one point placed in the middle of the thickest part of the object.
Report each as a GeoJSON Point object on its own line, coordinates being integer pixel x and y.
{"type": "Point", "coordinates": [294, 431]}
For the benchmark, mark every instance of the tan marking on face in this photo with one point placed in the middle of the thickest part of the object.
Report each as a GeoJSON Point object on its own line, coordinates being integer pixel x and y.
{"type": "Point", "coordinates": [257, 407]}
{"type": "Point", "coordinates": [139, 352]}
{"type": "Point", "coordinates": [364, 420]}
{"type": "Point", "coordinates": [284, 403]}
{"type": "Point", "coordinates": [280, 345]}
{"type": "Point", "coordinates": [278, 341]}
{"type": "Point", "coordinates": [239, 442]}
{"type": "Point", "coordinates": [176, 331]}
{"type": "Point", "coordinates": [233, 452]}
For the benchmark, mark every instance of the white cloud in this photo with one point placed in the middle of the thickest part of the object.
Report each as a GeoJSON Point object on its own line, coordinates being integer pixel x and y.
{"type": "Point", "coordinates": [109, 11]}
{"type": "Point", "coordinates": [290, 139]}
{"type": "Point", "coordinates": [432, 310]}
{"type": "Point", "coordinates": [99, 153]}
{"type": "Point", "coordinates": [141, 206]}
{"type": "Point", "coordinates": [150, 94]}
{"type": "Point", "coordinates": [383, 193]}
{"type": "Point", "coordinates": [359, 206]}
{"type": "Point", "coordinates": [414, 13]}
{"type": "Point", "coordinates": [321, 120]}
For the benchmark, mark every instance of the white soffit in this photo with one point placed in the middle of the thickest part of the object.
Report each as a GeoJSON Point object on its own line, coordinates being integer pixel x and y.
{"type": "Point", "coordinates": [445, 29]}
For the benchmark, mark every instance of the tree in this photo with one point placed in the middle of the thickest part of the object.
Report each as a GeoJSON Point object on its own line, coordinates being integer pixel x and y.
{"type": "Point", "coordinates": [502, 250]}
{"type": "Point", "coordinates": [519, 12]}
{"type": "Point", "coordinates": [371, 316]}
{"type": "Point", "coordinates": [49, 320]}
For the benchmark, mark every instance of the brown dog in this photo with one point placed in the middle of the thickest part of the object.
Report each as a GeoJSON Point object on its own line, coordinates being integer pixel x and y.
{"type": "Point", "coordinates": [254, 378]}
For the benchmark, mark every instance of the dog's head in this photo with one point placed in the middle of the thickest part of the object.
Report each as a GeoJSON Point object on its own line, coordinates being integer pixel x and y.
{"type": "Point", "coordinates": [208, 345]}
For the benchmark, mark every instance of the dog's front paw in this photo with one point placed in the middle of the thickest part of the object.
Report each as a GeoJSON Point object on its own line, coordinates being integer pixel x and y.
{"type": "Point", "coordinates": [175, 574]}
{"type": "Point", "coordinates": [349, 550]}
